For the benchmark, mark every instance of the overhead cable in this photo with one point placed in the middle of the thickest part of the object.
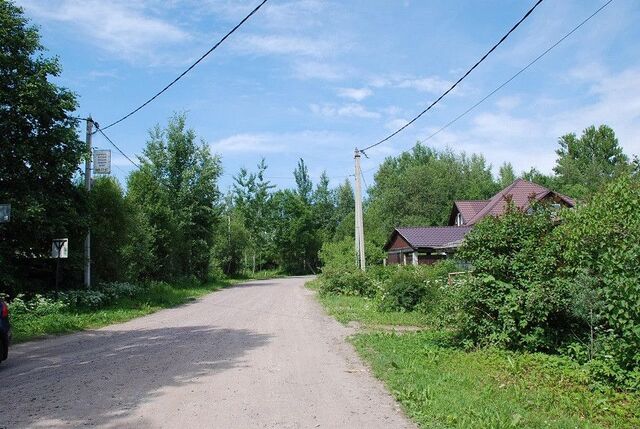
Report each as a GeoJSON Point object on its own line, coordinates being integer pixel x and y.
{"type": "Point", "coordinates": [493, 48]}
{"type": "Point", "coordinates": [505, 83]}
{"type": "Point", "coordinates": [213, 48]}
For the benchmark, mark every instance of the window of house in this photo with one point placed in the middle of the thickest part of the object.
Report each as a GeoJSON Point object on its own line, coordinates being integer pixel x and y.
{"type": "Point", "coordinates": [459, 219]}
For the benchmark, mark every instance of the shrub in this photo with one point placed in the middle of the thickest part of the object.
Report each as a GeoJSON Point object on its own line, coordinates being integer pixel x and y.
{"type": "Point", "coordinates": [405, 288]}
{"type": "Point", "coordinates": [348, 282]}
{"type": "Point", "coordinates": [514, 299]}
{"type": "Point", "coordinates": [39, 305]}
{"type": "Point", "coordinates": [602, 239]}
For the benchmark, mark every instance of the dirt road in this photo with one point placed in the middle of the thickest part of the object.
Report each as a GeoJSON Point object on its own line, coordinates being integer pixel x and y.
{"type": "Point", "coordinates": [259, 355]}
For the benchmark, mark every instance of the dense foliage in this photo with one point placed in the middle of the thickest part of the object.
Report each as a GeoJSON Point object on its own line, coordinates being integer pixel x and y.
{"type": "Point", "coordinates": [39, 155]}
{"type": "Point", "coordinates": [573, 288]}
{"type": "Point", "coordinates": [176, 190]}
{"type": "Point", "coordinates": [418, 188]}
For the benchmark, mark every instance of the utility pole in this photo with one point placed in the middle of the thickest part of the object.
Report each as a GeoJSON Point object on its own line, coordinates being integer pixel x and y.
{"type": "Point", "coordinates": [360, 256]}
{"type": "Point", "coordinates": [87, 184]}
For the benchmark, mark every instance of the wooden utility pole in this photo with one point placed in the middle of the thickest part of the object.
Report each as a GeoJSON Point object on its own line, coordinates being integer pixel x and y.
{"type": "Point", "coordinates": [87, 184]}
{"type": "Point", "coordinates": [360, 255]}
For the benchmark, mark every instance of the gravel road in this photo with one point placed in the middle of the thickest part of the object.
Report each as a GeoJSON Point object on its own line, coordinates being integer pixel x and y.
{"type": "Point", "coordinates": [258, 355]}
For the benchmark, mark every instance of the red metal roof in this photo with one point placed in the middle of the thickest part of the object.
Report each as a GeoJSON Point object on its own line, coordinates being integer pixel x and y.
{"type": "Point", "coordinates": [521, 192]}
{"type": "Point", "coordinates": [433, 236]}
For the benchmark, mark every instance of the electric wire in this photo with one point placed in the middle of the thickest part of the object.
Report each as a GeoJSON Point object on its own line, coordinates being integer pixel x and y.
{"type": "Point", "coordinates": [493, 48]}
{"type": "Point", "coordinates": [115, 145]}
{"type": "Point", "coordinates": [213, 48]}
{"type": "Point", "coordinates": [505, 83]}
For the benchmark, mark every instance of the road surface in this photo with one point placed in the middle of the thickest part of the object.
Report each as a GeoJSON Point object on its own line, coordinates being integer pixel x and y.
{"type": "Point", "coordinates": [258, 355]}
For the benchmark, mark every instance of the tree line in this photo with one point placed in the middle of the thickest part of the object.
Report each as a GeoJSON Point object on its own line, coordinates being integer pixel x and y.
{"type": "Point", "coordinates": [170, 220]}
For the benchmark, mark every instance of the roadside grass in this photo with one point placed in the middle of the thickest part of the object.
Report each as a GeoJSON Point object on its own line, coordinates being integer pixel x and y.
{"type": "Point", "coordinates": [160, 295]}
{"type": "Point", "coordinates": [443, 386]}
{"type": "Point", "coordinates": [365, 311]}
{"type": "Point", "coordinates": [259, 275]}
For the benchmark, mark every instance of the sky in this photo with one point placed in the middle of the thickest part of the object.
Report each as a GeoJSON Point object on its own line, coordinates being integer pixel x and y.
{"type": "Point", "coordinates": [314, 79]}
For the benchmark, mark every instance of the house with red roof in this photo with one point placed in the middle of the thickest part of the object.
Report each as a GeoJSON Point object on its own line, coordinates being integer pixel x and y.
{"type": "Point", "coordinates": [426, 245]}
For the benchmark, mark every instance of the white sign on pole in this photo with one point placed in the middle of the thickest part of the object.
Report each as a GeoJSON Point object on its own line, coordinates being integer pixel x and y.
{"type": "Point", "coordinates": [102, 161]}
{"type": "Point", "coordinates": [60, 248]}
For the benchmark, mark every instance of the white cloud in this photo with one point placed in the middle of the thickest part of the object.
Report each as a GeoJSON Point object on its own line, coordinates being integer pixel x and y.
{"type": "Point", "coordinates": [394, 124]}
{"type": "Point", "coordinates": [357, 94]}
{"type": "Point", "coordinates": [117, 27]}
{"type": "Point", "coordinates": [432, 84]}
{"type": "Point", "coordinates": [348, 110]}
{"type": "Point", "coordinates": [429, 84]}
{"type": "Point", "coordinates": [260, 143]}
{"type": "Point", "coordinates": [272, 44]}
{"type": "Point", "coordinates": [291, 143]}
{"type": "Point", "coordinates": [305, 70]}
{"type": "Point", "coordinates": [508, 102]}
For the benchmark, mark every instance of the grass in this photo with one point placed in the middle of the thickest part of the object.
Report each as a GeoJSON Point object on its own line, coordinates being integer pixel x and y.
{"type": "Point", "coordinates": [443, 386]}
{"type": "Point", "coordinates": [365, 311]}
{"type": "Point", "coordinates": [159, 296]}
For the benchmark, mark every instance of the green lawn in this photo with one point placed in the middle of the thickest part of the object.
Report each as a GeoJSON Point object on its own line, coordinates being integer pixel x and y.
{"type": "Point", "coordinates": [442, 386]}
{"type": "Point", "coordinates": [28, 327]}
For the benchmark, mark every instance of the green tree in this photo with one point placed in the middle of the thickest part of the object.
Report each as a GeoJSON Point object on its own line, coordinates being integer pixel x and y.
{"type": "Point", "coordinates": [296, 235]}
{"type": "Point", "coordinates": [252, 197]}
{"type": "Point", "coordinates": [417, 188]}
{"type": "Point", "coordinates": [345, 210]}
{"type": "Point", "coordinates": [39, 153]}
{"type": "Point", "coordinates": [324, 208]}
{"type": "Point", "coordinates": [303, 181]}
{"type": "Point", "coordinates": [506, 175]}
{"type": "Point", "coordinates": [602, 240]}
{"type": "Point", "coordinates": [109, 221]}
{"type": "Point", "coordinates": [176, 187]}
{"type": "Point", "coordinates": [586, 163]}
{"type": "Point", "coordinates": [535, 176]}
{"type": "Point", "coordinates": [233, 239]}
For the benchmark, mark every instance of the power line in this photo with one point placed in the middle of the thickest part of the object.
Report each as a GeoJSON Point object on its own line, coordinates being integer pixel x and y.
{"type": "Point", "coordinates": [188, 69]}
{"type": "Point", "coordinates": [115, 145]}
{"type": "Point", "coordinates": [505, 83]}
{"type": "Point", "coordinates": [517, 24]}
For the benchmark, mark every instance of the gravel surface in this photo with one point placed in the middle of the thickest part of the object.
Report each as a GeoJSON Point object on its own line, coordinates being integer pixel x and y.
{"type": "Point", "coordinates": [258, 355]}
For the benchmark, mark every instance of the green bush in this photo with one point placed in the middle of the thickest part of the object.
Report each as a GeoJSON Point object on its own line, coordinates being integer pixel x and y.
{"type": "Point", "coordinates": [406, 288]}
{"type": "Point", "coordinates": [602, 239]}
{"type": "Point", "coordinates": [348, 282]}
{"type": "Point", "coordinates": [39, 305]}
{"type": "Point", "coordinates": [514, 299]}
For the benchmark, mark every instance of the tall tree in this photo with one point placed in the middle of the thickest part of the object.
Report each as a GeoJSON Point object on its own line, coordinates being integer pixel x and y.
{"type": "Point", "coordinates": [177, 190]}
{"type": "Point", "coordinates": [506, 175]}
{"type": "Point", "coordinates": [252, 198]}
{"type": "Point", "coordinates": [303, 181]}
{"type": "Point", "coordinates": [587, 162]}
{"type": "Point", "coordinates": [324, 208]}
{"type": "Point", "coordinates": [39, 151]}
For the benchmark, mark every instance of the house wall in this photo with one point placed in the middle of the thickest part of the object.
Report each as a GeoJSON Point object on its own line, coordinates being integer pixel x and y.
{"type": "Point", "coordinates": [430, 259]}
{"type": "Point", "coordinates": [399, 243]}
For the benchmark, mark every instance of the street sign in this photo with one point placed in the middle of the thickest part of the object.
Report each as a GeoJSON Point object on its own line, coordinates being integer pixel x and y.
{"type": "Point", "coordinates": [5, 213]}
{"type": "Point", "coordinates": [60, 248]}
{"type": "Point", "coordinates": [102, 161]}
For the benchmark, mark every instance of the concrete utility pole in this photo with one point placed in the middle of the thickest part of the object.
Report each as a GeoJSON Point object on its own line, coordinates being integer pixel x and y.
{"type": "Point", "coordinates": [360, 256]}
{"type": "Point", "coordinates": [87, 184]}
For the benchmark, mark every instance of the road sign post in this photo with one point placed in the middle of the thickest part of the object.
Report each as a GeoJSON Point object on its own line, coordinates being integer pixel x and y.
{"type": "Point", "coordinates": [59, 250]}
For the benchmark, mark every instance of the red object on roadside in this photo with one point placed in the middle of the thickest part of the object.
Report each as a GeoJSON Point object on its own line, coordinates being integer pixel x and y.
{"type": "Point", "coordinates": [5, 310]}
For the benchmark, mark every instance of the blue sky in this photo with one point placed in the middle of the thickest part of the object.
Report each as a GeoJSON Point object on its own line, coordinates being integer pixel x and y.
{"type": "Point", "coordinates": [314, 79]}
